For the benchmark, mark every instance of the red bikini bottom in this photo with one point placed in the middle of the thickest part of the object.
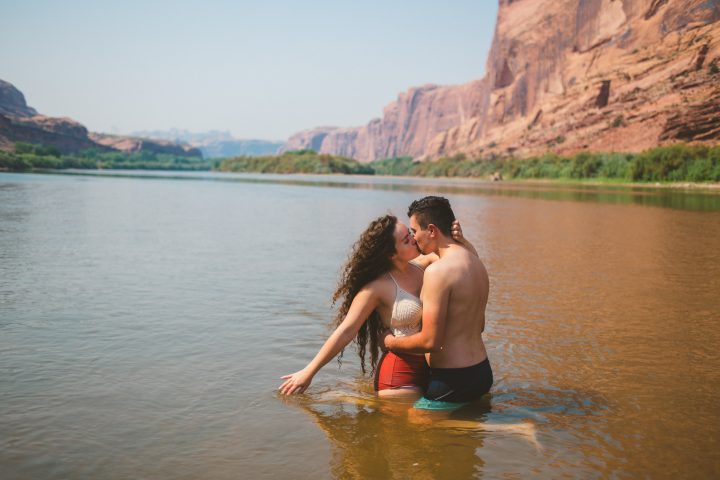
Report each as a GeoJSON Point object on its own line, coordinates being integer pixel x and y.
{"type": "Point", "coordinates": [398, 370]}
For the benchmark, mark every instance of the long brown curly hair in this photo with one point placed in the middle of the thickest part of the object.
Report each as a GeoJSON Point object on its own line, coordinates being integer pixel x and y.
{"type": "Point", "coordinates": [369, 259]}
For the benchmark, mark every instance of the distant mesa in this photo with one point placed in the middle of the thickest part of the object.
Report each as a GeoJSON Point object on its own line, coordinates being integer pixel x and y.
{"type": "Point", "coordinates": [215, 143]}
{"type": "Point", "coordinates": [239, 148]}
{"type": "Point", "coordinates": [561, 76]}
{"type": "Point", "coordinates": [21, 123]}
{"type": "Point", "coordinates": [137, 144]}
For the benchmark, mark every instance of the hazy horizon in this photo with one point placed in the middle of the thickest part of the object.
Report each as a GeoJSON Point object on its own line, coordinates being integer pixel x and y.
{"type": "Point", "coordinates": [258, 70]}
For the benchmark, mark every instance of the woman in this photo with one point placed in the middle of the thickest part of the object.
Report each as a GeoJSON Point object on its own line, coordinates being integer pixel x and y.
{"type": "Point", "coordinates": [380, 289]}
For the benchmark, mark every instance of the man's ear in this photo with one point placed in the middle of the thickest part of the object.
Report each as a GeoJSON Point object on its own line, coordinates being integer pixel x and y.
{"type": "Point", "coordinates": [432, 229]}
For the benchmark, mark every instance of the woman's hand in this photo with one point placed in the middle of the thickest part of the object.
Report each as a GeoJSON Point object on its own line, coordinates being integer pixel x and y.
{"type": "Point", "coordinates": [457, 235]}
{"type": "Point", "coordinates": [383, 339]}
{"type": "Point", "coordinates": [456, 231]}
{"type": "Point", "coordinates": [297, 382]}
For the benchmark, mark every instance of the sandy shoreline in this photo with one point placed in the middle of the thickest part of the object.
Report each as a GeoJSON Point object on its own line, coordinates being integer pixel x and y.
{"type": "Point", "coordinates": [695, 186]}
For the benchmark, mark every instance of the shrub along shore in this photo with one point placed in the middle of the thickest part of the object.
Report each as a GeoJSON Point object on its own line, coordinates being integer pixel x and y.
{"type": "Point", "coordinates": [29, 157]}
{"type": "Point", "coordinates": [674, 163]}
{"type": "Point", "coordinates": [299, 161]}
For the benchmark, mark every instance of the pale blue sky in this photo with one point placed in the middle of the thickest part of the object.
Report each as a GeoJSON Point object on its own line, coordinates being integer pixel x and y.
{"type": "Point", "coordinates": [260, 69]}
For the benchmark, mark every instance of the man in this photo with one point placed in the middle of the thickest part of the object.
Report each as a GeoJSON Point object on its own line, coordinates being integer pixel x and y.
{"type": "Point", "coordinates": [454, 295]}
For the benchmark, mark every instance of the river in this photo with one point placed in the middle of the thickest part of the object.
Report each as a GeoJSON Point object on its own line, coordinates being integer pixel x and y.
{"type": "Point", "coordinates": [146, 319]}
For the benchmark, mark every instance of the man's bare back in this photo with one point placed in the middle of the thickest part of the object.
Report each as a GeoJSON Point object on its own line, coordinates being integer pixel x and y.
{"type": "Point", "coordinates": [464, 276]}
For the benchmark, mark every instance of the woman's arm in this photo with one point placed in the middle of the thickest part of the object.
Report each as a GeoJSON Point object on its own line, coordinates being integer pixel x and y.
{"type": "Point", "coordinates": [362, 306]}
{"type": "Point", "coordinates": [458, 237]}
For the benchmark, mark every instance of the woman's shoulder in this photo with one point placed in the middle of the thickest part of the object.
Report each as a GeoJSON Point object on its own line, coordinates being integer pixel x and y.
{"type": "Point", "coordinates": [382, 287]}
{"type": "Point", "coordinates": [379, 284]}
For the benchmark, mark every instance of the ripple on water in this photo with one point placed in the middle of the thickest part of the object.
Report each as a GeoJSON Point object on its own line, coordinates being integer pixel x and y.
{"type": "Point", "coordinates": [146, 323]}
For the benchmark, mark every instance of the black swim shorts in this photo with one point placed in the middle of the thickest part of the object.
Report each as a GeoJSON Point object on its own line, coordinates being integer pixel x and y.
{"type": "Point", "coordinates": [459, 385]}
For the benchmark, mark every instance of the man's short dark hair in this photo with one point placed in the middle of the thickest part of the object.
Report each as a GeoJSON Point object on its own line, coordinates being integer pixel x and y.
{"type": "Point", "coordinates": [435, 210]}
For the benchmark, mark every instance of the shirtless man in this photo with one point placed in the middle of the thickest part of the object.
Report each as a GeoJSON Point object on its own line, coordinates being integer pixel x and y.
{"type": "Point", "coordinates": [454, 296]}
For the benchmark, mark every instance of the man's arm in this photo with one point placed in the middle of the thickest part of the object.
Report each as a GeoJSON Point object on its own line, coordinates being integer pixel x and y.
{"type": "Point", "coordinates": [435, 296]}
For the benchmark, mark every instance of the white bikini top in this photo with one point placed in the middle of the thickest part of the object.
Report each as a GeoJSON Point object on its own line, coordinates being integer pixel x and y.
{"type": "Point", "coordinates": [407, 311]}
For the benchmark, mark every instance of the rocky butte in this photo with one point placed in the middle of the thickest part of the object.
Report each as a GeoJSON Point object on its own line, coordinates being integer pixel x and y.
{"type": "Point", "coordinates": [561, 76]}
{"type": "Point", "coordinates": [21, 123]}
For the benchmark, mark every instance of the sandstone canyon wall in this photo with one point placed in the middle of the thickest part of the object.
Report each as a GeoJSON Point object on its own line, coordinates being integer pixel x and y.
{"type": "Point", "coordinates": [563, 76]}
{"type": "Point", "coordinates": [407, 127]}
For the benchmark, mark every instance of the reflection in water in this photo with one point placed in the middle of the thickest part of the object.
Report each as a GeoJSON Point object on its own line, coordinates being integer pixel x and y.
{"type": "Point", "coordinates": [604, 314]}
{"type": "Point", "coordinates": [383, 438]}
{"type": "Point", "coordinates": [145, 322]}
{"type": "Point", "coordinates": [374, 439]}
{"type": "Point", "coordinates": [704, 200]}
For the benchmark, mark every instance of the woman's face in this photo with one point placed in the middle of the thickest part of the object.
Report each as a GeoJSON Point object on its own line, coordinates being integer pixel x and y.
{"type": "Point", "coordinates": [405, 246]}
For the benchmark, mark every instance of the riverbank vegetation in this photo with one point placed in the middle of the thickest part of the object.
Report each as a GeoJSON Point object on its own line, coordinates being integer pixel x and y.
{"type": "Point", "coordinates": [28, 157]}
{"type": "Point", "coordinates": [674, 163]}
{"type": "Point", "coordinates": [299, 161]}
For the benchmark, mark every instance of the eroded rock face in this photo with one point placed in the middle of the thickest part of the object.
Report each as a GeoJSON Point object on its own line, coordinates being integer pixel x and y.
{"type": "Point", "coordinates": [308, 139]}
{"type": "Point", "coordinates": [564, 76]}
{"type": "Point", "coordinates": [21, 123]}
{"type": "Point", "coordinates": [65, 134]}
{"type": "Point", "coordinates": [695, 122]}
{"type": "Point", "coordinates": [408, 124]}
{"type": "Point", "coordinates": [598, 75]}
{"type": "Point", "coordinates": [12, 101]}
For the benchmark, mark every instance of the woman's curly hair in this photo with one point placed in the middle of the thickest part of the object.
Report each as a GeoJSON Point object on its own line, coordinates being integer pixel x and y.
{"type": "Point", "coordinates": [369, 259]}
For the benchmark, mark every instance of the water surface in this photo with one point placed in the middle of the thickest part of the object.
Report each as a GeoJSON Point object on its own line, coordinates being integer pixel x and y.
{"type": "Point", "coordinates": [145, 321]}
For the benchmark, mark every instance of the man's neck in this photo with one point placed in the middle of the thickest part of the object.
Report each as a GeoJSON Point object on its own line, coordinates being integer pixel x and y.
{"type": "Point", "coordinates": [444, 245]}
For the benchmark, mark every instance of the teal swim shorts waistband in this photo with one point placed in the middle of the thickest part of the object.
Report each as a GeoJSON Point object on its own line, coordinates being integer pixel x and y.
{"type": "Point", "coordinates": [425, 404]}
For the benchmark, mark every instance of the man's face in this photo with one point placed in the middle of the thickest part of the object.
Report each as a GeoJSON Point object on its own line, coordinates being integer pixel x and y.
{"type": "Point", "coordinates": [421, 236]}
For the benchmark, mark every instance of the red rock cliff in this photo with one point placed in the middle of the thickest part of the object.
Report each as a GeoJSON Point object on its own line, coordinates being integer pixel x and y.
{"type": "Point", "coordinates": [407, 127]}
{"type": "Point", "coordinates": [564, 75]}
{"type": "Point", "coordinates": [570, 75]}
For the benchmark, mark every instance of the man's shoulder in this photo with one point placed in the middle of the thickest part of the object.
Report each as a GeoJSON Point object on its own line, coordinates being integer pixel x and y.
{"type": "Point", "coordinates": [457, 263]}
{"type": "Point", "coordinates": [438, 268]}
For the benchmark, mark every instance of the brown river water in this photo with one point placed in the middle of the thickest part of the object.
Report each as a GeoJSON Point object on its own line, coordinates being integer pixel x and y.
{"type": "Point", "coordinates": [146, 319]}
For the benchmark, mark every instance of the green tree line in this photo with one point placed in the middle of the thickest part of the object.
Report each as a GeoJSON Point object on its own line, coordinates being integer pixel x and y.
{"type": "Point", "coordinates": [674, 163]}
{"type": "Point", "coordinates": [299, 161]}
{"type": "Point", "coordinates": [27, 157]}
